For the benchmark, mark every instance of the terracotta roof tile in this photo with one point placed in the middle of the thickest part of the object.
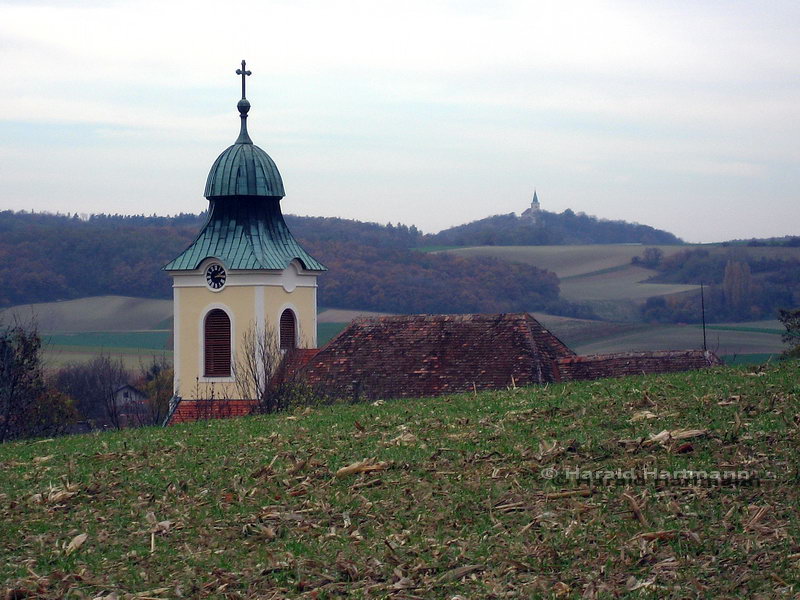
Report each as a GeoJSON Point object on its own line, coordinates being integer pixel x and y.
{"type": "Point", "coordinates": [598, 366]}
{"type": "Point", "coordinates": [430, 355]}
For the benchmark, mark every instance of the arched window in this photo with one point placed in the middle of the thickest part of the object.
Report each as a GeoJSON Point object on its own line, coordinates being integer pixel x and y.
{"type": "Point", "coordinates": [288, 330]}
{"type": "Point", "coordinates": [217, 341]}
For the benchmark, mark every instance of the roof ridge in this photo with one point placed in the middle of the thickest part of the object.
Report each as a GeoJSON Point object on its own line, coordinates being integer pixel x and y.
{"type": "Point", "coordinates": [436, 317]}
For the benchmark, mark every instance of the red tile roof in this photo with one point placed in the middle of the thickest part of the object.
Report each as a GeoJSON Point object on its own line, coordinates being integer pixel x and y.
{"type": "Point", "coordinates": [430, 355]}
{"type": "Point", "coordinates": [293, 361]}
{"type": "Point", "coordinates": [597, 366]}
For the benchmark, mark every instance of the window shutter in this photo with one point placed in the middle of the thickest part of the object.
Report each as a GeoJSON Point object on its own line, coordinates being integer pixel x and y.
{"type": "Point", "coordinates": [288, 330]}
{"type": "Point", "coordinates": [217, 344]}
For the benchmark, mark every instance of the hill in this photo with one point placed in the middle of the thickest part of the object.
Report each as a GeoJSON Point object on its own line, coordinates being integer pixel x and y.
{"type": "Point", "coordinates": [564, 228]}
{"type": "Point", "coordinates": [61, 257]}
{"type": "Point", "coordinates": [56, 257]}
{"type": "Point", "coordinates": [667, 486]}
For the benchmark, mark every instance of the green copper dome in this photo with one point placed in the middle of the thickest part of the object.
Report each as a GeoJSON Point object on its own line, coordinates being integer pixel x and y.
{"type": "Point", "coordinates": [244, 169]}
{"type": "Point", "coordinates": [245, 229]}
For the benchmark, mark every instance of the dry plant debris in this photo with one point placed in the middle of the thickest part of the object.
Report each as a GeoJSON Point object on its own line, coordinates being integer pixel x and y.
{"type": "Point", "coordinates": [529, 492]}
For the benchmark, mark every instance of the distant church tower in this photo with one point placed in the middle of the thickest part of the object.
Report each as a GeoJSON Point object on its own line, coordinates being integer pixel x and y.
{"type": "Point", "coordinates": [243, 273]}
{"type": "Point", "coordinates": [533, 214]}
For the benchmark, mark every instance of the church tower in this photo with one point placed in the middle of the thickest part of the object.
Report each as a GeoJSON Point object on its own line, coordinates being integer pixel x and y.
{"type": "Point", "coordinates": [243, 278]}
{"type": "Point", "coordinates": [534, 213]}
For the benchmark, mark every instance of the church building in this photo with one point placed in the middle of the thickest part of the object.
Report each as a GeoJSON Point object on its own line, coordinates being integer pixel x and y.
{"type": "Point", "coordinates": [243, 278]}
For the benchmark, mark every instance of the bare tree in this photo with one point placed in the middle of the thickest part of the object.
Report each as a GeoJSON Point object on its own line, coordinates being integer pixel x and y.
{"type": "Point", "coordinates": [256, 362]}
{"type": "Point", "coordinates": [157, 383]}
{"type": "Point", "coordinates": [20, 375]}
{"type": "Point", "coordinates": [28, 407]}
{"type": "Point", "coordinates": [265, 373]}
{"type": "Point", "coordinates": [93, 386]}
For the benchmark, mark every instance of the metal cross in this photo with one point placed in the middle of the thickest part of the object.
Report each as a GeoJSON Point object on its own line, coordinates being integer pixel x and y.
{"type": "Point", "coordinates": [242, 72]}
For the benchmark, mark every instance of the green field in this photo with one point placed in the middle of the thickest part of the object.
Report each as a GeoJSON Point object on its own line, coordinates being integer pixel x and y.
{"type": "Point", "coordinates": [677, 486]}
{"type": "Point", "coordinates": [147, 340]}
{"type": "Point", "coordinates": [134, 348]}
{"type": "Point", "coordinates": [674, 337]}
{"type": "Point", "coordinates": [326, 332]}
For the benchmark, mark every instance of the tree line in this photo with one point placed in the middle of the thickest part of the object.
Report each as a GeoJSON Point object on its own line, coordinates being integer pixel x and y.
{"type": "Point", "coordinates": [740, 285]}
{"type": "Point", "coordinates": [46, 257]}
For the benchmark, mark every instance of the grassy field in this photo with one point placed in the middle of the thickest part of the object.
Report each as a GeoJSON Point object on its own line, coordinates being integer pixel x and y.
{"type": "Point", "coordinates": [133, 330]}
{"type": "Point", "coordinates": [327, 331]}
{"type": "Point", "coordinates": [726, 342]}
{"type": "Point", "coordinates": [658, 487]}
{"type": "Point", "coordinates": [148, 340]}
{"type": "Point", "coordinates": [760, 339]}
{"type": "Point", "coordinates": [625, 282]}
{"type": "Point", "coordinates": [133, 359]}
{"type": "Point", "coordinates": [567, 261]}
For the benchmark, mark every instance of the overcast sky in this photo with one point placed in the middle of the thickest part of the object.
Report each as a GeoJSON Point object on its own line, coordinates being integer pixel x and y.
{"type": "Point", "coordinates": [684, 115]}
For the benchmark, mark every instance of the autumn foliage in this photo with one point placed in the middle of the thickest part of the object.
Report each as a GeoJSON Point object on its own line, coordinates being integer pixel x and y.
{"type": "Point", "coordinates": [371, 266]}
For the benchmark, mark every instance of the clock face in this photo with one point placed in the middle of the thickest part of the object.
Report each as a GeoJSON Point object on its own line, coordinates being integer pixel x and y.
{"type": "Point", "coordinates": [215, 276]}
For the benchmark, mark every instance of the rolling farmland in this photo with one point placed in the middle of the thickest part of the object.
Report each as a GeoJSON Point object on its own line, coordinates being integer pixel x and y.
{"type": "Point", "coordinates": [566, 261]}
{"type": "Point", "coordinates": [131, 329]}
{"type": "Point", "coordinates": [596, 274]}
{"type": "Point", "coordinates": [603, 277]}
{"type": "Point", "coordinates": [136, 329]}
{"type": "Point", "coordinates": [98, 313]}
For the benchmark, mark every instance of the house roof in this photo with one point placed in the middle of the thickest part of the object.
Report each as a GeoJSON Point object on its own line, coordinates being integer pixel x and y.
{"type": "Point", "coordinates": [129, 387]}
{"type": "Point", "coordinates": [597, 366]}
{"type": "Point", "coordinates": [245, 233]}
{"type": "Point", "coordinates": [429, 355]}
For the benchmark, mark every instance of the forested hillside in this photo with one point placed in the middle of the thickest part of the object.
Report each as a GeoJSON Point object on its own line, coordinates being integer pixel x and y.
{"type": "Point", "coordinates": [55, 257]}
{"type": "Point", "coordinates": [551, 229]}
{"type": "Point", "coordinates": [47, 257]}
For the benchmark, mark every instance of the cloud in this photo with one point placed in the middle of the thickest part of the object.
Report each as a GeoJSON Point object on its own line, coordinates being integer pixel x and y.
{"type": "Point", "coordinates": [424, 112]}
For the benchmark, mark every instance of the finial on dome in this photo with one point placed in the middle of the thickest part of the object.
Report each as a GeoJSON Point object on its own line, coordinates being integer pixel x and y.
{"type": "Point", "coordinates": [244, 107]}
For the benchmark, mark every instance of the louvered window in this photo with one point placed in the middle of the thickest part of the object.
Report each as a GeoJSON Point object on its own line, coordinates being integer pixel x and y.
{"type": "Point", "coordinates": [217, 337]}
{"type": "Point", "coordinates": [288, 330]}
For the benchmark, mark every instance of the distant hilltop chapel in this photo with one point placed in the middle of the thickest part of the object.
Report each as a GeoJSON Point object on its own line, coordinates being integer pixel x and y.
{"type": "Point", "coordinates": [534, 213]}
{"type": "Point", "coordinates": [243, 278]}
